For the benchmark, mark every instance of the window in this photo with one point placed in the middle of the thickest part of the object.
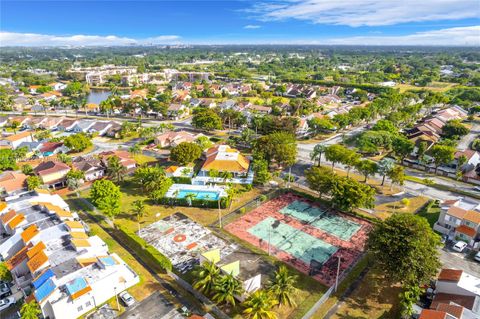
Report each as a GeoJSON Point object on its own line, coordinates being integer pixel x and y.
{"type": "Point", "coordinates": [447, 218]}
{"type": "Point", "coordinates": [88, 304]}
{"type": "Point", "coordinates": [80, 308]}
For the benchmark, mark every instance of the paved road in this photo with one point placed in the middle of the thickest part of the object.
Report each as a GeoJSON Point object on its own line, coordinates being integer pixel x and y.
{"type": "Point", "coordinates": [154, 306]}
{"type": "Point", "coordinates": [465, 142]}
{"type": "Point", "coordinates": [455, 260]}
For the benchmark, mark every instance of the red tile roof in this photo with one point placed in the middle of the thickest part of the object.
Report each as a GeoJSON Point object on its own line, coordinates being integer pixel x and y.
{"type": "Point", "coordinates": [432, 314]}
{"type": "Point", "coordinates": [464, 301]}
{"type": "Point", "coordinates": [464, 229]}
{"type": "Point", "coordinates": [454, 310]}
{"type": "Point", "coordinates": [51, 167]}
{"type": "Point", "coordinates": [450, 275]}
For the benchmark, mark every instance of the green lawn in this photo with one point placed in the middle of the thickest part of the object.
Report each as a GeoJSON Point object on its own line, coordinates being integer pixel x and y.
{"type": "Point", "coordinates": [431, 213]}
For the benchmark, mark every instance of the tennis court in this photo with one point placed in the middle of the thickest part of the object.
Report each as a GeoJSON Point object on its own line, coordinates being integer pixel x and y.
{"type": "Point", "coordinates": [311, 238]}
{"type": "Point", "coordinates": [293, 241]}
{"type": "Point", "coordinates": [330, 223]}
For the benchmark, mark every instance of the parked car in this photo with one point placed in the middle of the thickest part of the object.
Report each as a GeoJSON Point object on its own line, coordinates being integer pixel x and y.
{"type": "Point", "coordinates": [5, 290]}
{"type": "Point", "coordinates": [127, 299]}
{"type": "Point", "coordinates": [477, 256]}
{"type": "Point", "coordinates": [459, 246]}
{"type": "Point", "coordinates": [476, 188]}
{"type": "Point", "coordinates": [7, 302]}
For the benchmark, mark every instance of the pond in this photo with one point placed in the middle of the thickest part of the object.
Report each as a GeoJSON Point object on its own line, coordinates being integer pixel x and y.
{"type": "Point", "coordinates": [97, 95]}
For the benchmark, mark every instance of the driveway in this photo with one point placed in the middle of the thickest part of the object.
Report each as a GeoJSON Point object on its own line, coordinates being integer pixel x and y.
{"type": "Point", "coordinates": [455, 260]}
{"type": "Point", "coordinates": [468, 139]}
{"type": "Point", "coordinates": [154, 306]}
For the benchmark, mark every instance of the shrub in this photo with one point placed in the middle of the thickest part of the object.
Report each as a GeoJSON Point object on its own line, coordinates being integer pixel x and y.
{"type": "Point", "coordinates": [182, 180]}
{"type": "Point", "coordinates": [141, 247]}
{"type": "Point", "coordinates": [262, 198]}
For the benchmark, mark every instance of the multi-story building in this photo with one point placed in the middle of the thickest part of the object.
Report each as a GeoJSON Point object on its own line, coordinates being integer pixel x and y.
{"type": "Point", "coordinates": [460, 219]}
{"type": "Point", "coordinates": [54, 261]}
{"type": "Point", "coordinates": [98, 75]}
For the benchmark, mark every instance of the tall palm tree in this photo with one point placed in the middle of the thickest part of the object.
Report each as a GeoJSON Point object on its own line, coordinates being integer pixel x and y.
{"type": "Point", "coordinates": [205, 277]}
{"type": "Point", "coordinates": [139, 210]}
{"type": "Point", "coordinates": [135, 149]}
{"type": "Point", "coordinates": [226, 288]}
{"type": "Point", "coordinates": [115, 169]}
{"type": "Point", "coordinates": [259, 305]}
{"type": "Point", "coordinates": [282, 286]}
{"type": "Point", "coordinates": [189, 197]}
{"type": "Point", "coordinates": [226, 176]}
{"type": "Point", "coordinates": [317, 152]}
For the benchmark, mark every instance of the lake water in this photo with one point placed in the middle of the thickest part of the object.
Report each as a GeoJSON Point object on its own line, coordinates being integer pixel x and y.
{"type": "Point", "coordinates": [96, 96]}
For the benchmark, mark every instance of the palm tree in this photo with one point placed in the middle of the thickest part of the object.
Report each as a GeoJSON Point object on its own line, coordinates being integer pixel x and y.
{"type": "Point", "coordinates": [226, 176]}
{"type": "Point", "coordinates": [30, 310]}
{"type": "Point", "coordinates": [139, 210]}
{"type": "Point", "coordinates": [135, 149]}
{"type": "Point", "coordinates": [226, 288]}
{"type": "Point", "coordinates": [205, 277]}
{"type": "Point", "coordinates": [259, 305]}
{"type": "Point", "coordinates": [115, 169]}
{"type": "Point", "coordinates": [84, 105]}
{"type": "Point", "coordinates": [317, 152]}
{"type": "Point", "coordinates": [282, 286]}
{"type": "Point", "coordinates": [189, 197]}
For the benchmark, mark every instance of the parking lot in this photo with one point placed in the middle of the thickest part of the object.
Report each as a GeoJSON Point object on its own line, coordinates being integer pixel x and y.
{"type": "Point", "coordinates": [155, 306]}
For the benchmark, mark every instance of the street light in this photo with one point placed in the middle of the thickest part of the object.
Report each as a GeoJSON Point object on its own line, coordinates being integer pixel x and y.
{"type": "Point", "coordinates": [338, 273]}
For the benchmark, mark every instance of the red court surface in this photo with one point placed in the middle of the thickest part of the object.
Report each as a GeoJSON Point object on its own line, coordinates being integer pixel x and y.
{"type": "Point", "coordinates": [349, 251]}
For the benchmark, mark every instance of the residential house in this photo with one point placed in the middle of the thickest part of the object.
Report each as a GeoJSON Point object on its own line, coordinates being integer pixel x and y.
{"type": "Point", "coordinates": [125, 158]}
{"type": "Point", "coordinates": [260, 109]}
{"type": "Point", "coordinates": [14, 140]}
{"type": "Point", "coordinates": [11, 183]}
{"type": "Point", "coordinates": [33, 148]}
{"type": "Point", "coordinates": [460, 219]}
{"type": "Point", "coordinates": [101, 127]}
{"type": "Point", "coordinates": [303, 127]}
{"type": "Point", "coordinates": [66, 124]}
{"type": "Point", "coordinates": [142, 94]}
{"type": "Point", "coordinates": [3, 121]}
{"type": "Point", "coordinates": [172, 139]}
{"type": "Point", "coordinates": [228, 104]}
{"type": "Point", "coordinates": [195, 102]}
{"type": "Point", "coordinates": [90, 166]}
{"type": "Point", "coordinates": [50, 123]}
{"type": "Point", "coordinates": [21, 103]}
{"type": "Point", "coordinates": [114, 130]}
{"type": "Point", "coordinates": [177, 111]}
{"type": "Point", "coordinates": [57, 86]}
{"type": "Point", "coordinates": [472, 157]}
{"type": "Point", "coordinates": [82, 126]}
{"type": "Point", "coordinates": [53, 174]}
{"type": "Point", "coordinates": [224, 159]}
{"type": "Point", "coordinates": [50, 148]}
{"type": "Point", "coordinates": [33, 89]}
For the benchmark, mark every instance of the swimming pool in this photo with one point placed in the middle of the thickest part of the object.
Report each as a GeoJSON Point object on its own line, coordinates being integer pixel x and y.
{"type": "Point", "coordinates": [198, 194]}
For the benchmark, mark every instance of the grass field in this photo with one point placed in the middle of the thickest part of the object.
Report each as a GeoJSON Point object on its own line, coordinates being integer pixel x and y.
{"type": "Point", "coordinates": [415, 204]}
{"type": "Point", "coordinates": [431, 213]}
{"type": "Point", "coordinates": [434, 86]}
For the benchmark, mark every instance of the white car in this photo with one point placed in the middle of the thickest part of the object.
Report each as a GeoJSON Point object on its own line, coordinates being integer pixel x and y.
{"type": "Point", "coordinates": [7, 302]}
{"type": "Point", "coordinates": [477, 256]}
{"type": "Point", "coordinates": [127, 298]}
{"type": "Point", "coordinates": [459, 246]}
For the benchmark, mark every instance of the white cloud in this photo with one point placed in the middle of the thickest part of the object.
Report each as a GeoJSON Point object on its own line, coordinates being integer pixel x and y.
{"type": "Point", "coordinates": [35, 39]}
{"type": "Point", "coordinates": [461, 36]}
{"type": "Point", "coordinates": [251, 26]}
{"type": "Point", "coordinates": [357, 13]}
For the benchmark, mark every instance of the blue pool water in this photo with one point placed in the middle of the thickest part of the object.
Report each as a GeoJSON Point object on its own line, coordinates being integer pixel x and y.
{"type": "Point", "coordinates": [198, 194]}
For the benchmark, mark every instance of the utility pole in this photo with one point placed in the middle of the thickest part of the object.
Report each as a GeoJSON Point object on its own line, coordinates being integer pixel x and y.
{"type": "Point", "coordinates": [338, 273]}
{"type": "Point", "coordinates": [219, 214]}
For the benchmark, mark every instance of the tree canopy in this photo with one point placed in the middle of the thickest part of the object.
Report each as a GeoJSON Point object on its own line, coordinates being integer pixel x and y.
{"type": "Point", "coordinates": [106, 196]}
{"type": "Point", "coordinates": [185, 153]}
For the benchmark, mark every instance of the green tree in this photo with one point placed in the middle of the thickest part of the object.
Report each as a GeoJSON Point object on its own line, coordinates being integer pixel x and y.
{"type": "Point", "coordinates": [115, 169]}
{"type": "Point", "coordinates": [421, 150]}
{"type": "Point", "coordinates": [405, 248]}
{"type": "Point", "coordinates": [454, 129]}
{"type": "Point", "coordinates": [206, 119]}
{"type": "Point", "coordinates": [367, 168]}
{"type": "Point", "coordinates": [135, 149]}
{"type": "Point", "coordinates": [336, 153]}
{"type": "Point", "coordinates": [279, 148]}
{"type": "Point", "coordinates": [225, 289]}
{"type": "Point", "coordinates": [185, 153]}
{"type": "Point", "coordinates": [260, 171]}
{"type": "Point", "coordinates": [259, 305]}
{"type": "Point", "coordinates": [64, 158]}
{"type": "Point", "coordinates": [5, 273]}
{"type": "Point", "coordinates": [204, 142]}
{"type": "Point", "coordinates": [317, 152]}
{"type": "Point", "coordinates": [7, 160]}
{"type": "Point", "coordinates": [442, 155]}
{"type": "Point", "coordinates": [409, 297]}
{"type": "Point", "coordinates": [106, 196]}
{"type": "Point", "coordinates": [397, 175]}
{"type": "Point", "coordinates": [348, 194]}
{"type": "Point", "coordinates": [205, 277]}
{"type": "Point", "coordinates": [27, 169]}
{"type": "Point", "coordinates": [384, 167]}
{"type": "Point", "coordinates": [30, 310]}
{"type": "Point", "coordinates": [320, 179]}
{"type": "Point", "coordinates": [402, 147]}
{"type": "Point", "coordinates": [282, 286]}
{"type": "Point", "coordinates": [33, 182]}
{"type": "Point", "coordinates": [77, 142]}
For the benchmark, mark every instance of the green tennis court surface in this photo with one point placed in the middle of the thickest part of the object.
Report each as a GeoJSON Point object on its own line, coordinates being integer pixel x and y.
{"type": "Point", "coordinates": [332, 224]}
{"type": "Point", "coordinates": [293, 241]}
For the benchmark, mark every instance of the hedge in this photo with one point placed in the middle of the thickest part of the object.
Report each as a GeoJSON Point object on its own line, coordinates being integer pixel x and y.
{"type": "Point", "coordinates": [205, 203]}
{"type": "Point", "coordinates": [182, 180]}
{"type": "Point", "coordinates": [368, 87]}
{"type": "Point", "coordinates": [144, 250]}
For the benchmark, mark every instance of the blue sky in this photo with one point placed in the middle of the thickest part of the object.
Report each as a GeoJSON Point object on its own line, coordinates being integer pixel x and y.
{"type": "Point", "coordinates": [409, 22]}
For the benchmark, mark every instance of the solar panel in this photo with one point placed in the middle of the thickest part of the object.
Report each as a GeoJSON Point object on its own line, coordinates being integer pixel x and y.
{"type": "Point", "coordinates": [42, 278]}
{"type": "Point", "coordinates": [45, 290]}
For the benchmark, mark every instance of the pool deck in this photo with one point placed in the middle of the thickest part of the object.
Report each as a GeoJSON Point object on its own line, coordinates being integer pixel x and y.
{"type": "Point", "coordinates": [348, 250]}
{"type": "Point", "coordinates": [175, 188]}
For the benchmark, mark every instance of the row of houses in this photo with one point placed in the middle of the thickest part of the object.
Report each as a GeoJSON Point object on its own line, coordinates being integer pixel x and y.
{"type": "Point", "coordinates": [53, 259]}
{"type": "Point", "coordinates": [455, 295]}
